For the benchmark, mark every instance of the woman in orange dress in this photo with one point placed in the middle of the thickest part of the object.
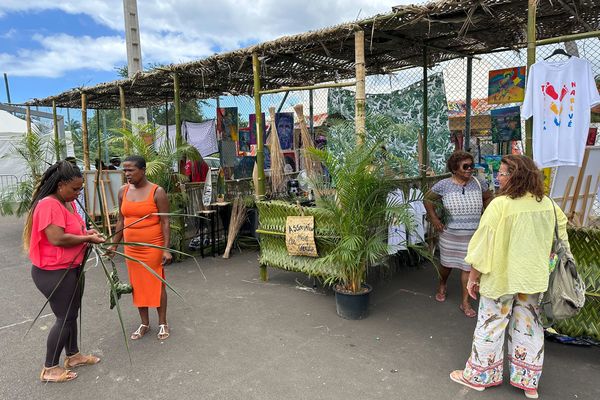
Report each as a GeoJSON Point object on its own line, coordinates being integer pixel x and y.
{"type": "Point", "coordinates": [138, 200]}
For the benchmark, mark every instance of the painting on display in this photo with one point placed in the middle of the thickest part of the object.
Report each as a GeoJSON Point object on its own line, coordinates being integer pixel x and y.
{"type": "Point", "coordinates": [252, 125]}
{"type": "Point", "coordinates": [506, 85]}
{"type": "Point", "coordinates": [506, 124]}
{"type": "Point", "coordinates": [227, 123]}
{"type": "Point", "coordinates": [285, 129]}
{"type": "Point", "coordinates": [244, 140]}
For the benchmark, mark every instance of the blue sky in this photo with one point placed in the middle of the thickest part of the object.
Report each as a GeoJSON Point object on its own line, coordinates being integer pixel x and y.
{"type": "Point", "coordinates": [47, 47]}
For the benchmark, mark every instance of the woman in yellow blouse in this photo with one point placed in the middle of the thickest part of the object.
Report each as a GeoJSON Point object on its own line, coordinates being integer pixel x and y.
{"type": "Point", "coordinates": [509, 254]}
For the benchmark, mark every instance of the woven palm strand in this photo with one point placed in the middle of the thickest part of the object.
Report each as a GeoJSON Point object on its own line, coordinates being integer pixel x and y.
{"type": "Point", "coordinates": [273, 251]}
{"type": "Point", "coordinates": [277, 179]}
{"type": "Point", "coordinates": [238, 216]}
{"type": "Point", "coordinates": [585, 246]}
{"type": "Point", "coordinates": [311, 165]}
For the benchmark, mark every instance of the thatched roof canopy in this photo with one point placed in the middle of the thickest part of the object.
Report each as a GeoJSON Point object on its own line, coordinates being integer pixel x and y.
{"type": "Point", "coordinates": [395, 40]}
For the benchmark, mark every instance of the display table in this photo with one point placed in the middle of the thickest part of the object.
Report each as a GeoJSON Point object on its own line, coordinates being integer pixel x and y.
{"type": "Point", "coordinates": [216, 223]}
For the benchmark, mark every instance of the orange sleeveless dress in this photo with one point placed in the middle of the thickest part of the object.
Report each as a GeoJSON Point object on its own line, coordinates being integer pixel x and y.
{"type": "Point", "coordinates": [146, 287]}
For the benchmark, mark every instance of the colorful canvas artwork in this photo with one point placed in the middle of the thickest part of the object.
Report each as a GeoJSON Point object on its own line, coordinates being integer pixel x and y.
{"type": "Point", "coordinates": [506, 85]}
{"type": "Point", "coordinates": [506, 124]}
{"type": "Point", "coordinates": [227, 123]}
{"type": "Point", "coordinates": [252, 125]}
{"type": "Point", "coordinates": [285, 129]}
{"type": "Point", "coordinates": [244, 140]}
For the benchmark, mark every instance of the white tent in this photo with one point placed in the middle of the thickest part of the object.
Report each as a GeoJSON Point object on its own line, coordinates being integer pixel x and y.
{"type": "Point", "coordinates": [12, 129]}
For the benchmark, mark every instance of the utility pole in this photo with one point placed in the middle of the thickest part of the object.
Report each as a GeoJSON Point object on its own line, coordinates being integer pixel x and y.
{"type": "Point", "coordinates": [7, 90]}
{"type": "Point", "coordinates": [134, 53]}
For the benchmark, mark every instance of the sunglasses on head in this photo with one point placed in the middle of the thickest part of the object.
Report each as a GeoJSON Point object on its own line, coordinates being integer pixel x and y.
{"type": "Point", "coordinates": [467, 166]}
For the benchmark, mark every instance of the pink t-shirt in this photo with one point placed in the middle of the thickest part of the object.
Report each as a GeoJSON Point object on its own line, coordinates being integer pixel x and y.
{"type": "Point", "coordinates": [45, 255]}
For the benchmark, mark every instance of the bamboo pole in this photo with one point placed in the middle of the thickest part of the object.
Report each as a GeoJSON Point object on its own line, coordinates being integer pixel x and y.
{"type": "Point", "coordinates": [312, 87]}
{"type": "Point", "coordinates": [84, 133]}
{"type": "Point", "coordinates": [55, 124]}
{"type": "Point", "coordinates": [177, 104]}
{"type": "Point", "coordinates": [565, 38]}
{"type": "Point", "coordinates": [531, 13]}
{"type": "Point", "coordinates": [99, 171]}
{"type": "Point", "coordinates": [123, 117]}
{"type": "Point", "coordinates": [360, 99]}
{"type": "Point", "coordinates": [425, 111]}
{"type": "Point", "coordinates": [260, 152]}
{"type": "Point", "coordinates": [28, 119]}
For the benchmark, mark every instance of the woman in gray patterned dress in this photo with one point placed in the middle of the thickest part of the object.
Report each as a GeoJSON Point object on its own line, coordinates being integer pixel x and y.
{"type": "Point", "coordinates": [464, 197]}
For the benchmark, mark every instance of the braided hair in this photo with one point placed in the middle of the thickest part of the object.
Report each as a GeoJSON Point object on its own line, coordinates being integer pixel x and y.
{"type": "Point", "coordinates": [62, 171]}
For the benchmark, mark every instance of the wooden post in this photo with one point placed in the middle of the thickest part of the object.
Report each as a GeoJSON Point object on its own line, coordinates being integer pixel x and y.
{"type": "Point", "coordinates": [28, 119]}
{"type": "Point", "coordinates": [424, 153]}
{"type": "Point", "coordinates": [260, 152]}
{"type": "Point", "coordinates": [531, 12]}
{"type": "Point", "coordinates": [360, 99]}
{"type": "Point", "coordinates": [467, 135]}
{"type": "Point", "coordinates": [84, 133]}
{"type": "Point", "coordinates": [177, 104]}
{"type": "Point", "coordinates": [55, 125]}
{"type": "Point", "coordinates": [123, 117]}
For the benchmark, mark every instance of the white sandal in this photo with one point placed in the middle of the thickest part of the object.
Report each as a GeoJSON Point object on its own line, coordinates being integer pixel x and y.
{"type": "Point", "coordinates": [163, 332]}
{"type": "Point", "coordinates": [138, 333]}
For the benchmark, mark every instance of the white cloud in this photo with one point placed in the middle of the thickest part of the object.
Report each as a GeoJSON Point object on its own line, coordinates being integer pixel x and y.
{"type": "Point", "coordinates": [174, 30]}
{"type": "Point", "coordinates": [62, 53]}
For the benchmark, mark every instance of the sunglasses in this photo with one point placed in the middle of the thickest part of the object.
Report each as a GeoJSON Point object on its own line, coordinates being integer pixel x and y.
{"type": "Point", "coordinates": [467, 166]}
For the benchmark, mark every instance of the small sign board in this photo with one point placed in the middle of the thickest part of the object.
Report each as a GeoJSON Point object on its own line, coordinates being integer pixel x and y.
{"type": "Point", "coordinates": [300, 236]}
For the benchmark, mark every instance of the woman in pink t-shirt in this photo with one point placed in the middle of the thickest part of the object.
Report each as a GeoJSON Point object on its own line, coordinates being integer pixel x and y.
{"type": "Point", "coordinates": [56, 238]}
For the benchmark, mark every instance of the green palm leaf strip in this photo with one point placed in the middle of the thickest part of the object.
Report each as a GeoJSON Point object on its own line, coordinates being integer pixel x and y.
{"type": "Point", "coordinates": [150, 270]}
{"type": "Point", "coordinates": [114, 293]}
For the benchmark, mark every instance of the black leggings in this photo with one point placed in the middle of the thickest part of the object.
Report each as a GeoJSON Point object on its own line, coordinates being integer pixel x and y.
{"type": "Point", "coordinates": [65, 303]}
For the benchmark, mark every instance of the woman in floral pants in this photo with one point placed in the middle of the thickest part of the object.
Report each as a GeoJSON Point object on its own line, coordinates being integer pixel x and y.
{"type": "Point", "coordinates": [509, 254]}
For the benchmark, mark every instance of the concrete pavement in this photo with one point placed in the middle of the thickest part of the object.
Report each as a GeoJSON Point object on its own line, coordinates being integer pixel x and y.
{"type": "Point", "coordinates": [236, 337]}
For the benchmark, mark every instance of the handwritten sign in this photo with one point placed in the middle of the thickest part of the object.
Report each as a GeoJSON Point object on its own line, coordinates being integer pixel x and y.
{"type": "Point", "coordinates": [300, 236]}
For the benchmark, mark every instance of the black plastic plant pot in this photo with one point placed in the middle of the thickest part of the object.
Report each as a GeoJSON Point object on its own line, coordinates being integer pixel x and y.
{"type": "Point", "coordinates": [352, 305]}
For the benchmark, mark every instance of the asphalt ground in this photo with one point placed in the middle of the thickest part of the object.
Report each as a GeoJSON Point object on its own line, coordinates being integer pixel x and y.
{"type": "Point", "coordinates": [235, 337]}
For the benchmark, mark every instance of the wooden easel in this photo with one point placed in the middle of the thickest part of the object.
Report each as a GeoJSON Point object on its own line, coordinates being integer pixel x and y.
{"type": "Point", "coordinates": [578, 217]}
{"type": "Point", "coordinates": [99, 193]}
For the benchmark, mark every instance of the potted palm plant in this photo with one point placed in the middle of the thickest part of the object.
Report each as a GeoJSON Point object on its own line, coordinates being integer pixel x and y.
{"type": "Point", "coordinates": [356, 199]}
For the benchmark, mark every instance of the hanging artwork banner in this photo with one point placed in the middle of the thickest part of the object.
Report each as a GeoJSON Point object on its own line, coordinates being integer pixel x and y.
{"type": "Point", "coordinates": [227, 123]}
{"type": "Point", "coordinates": [285, 129]}
{"type": "Point", "coordinates": [506, 85]}
{"type": "Point", "coordinates": [244, 140]}
{"type": "Point", "coordinates": [300, 236]}
{"type": "Point", "coordinates": [506, 124]}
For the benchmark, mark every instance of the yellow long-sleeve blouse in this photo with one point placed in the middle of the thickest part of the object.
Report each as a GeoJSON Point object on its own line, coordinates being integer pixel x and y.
{"type": "Point", "coordinates": [511, 247]}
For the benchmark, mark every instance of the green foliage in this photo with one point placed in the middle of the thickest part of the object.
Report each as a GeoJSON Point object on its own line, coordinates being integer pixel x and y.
{"type": "Point", "coordinates": [394, 139]}
{"type": "Point", "coordinates": [357, 205]}
{"type": "Point", "coordinates": [33, 149]}
{"type": "Point", "coordinates": [160, 162]}
{"type": "Point", "coordinates": [160, 168]}
{"type": "Point", "coordinates": [190, 111]}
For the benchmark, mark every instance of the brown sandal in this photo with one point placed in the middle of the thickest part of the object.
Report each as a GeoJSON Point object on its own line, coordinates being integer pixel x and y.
{"type": "Point", "coordinates": [87, 360]}
{"type": "Point", "coordinates": [66, 376]}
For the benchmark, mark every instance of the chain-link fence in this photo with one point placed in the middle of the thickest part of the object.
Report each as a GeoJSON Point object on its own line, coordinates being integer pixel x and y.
{"type": "Point", "coordinates": [399, 97]}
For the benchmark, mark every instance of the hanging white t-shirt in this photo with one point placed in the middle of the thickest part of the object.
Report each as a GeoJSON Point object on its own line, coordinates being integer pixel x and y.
{"type": "Point", "coordinates": [559, 96]}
